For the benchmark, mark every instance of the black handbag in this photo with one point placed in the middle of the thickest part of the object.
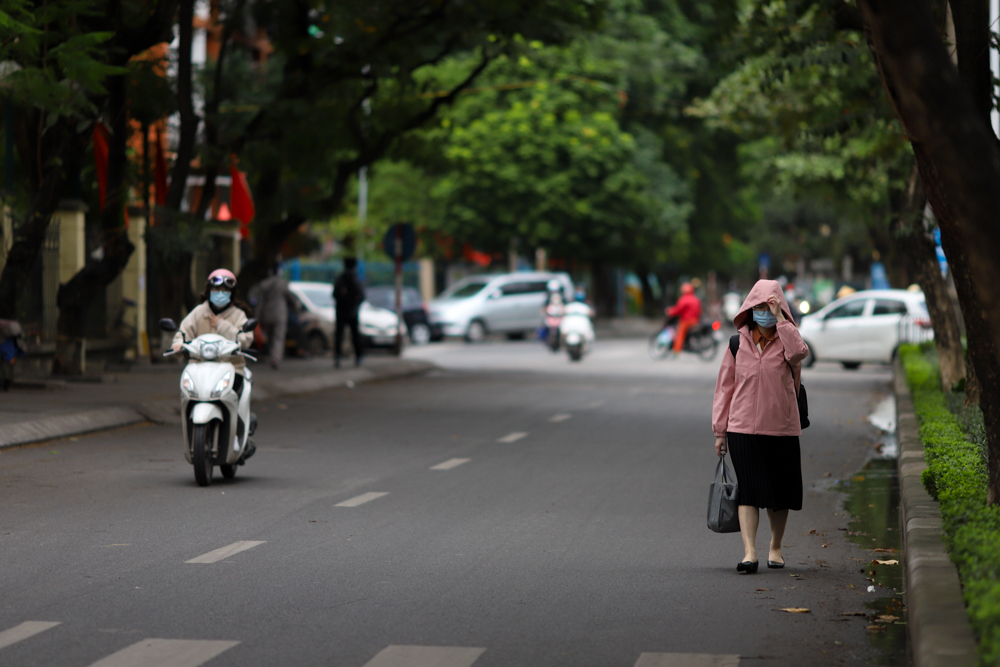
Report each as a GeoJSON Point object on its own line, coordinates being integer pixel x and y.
{"type": "Point", "coordinates": [800, 397]}
{"type": "Point", "coordinates": [723, 512]}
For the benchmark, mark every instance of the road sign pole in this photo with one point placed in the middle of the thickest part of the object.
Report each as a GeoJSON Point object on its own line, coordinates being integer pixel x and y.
{"type": "Point", "coordinates": [398, 255]}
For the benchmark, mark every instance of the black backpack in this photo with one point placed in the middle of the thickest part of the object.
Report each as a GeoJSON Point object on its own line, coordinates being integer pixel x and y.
{"type": "Point", "coordinates": [801, 398]}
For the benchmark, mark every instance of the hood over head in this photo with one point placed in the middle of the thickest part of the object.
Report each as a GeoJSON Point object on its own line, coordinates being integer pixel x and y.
{"type": "Point", "coordinates": [759, 293]}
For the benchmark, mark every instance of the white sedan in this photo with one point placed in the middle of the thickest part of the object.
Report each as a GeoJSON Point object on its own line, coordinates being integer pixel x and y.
{"type": "Point", "coordinates": [378, 325]}
{"type": "Point", "coordinates": [866, 326]}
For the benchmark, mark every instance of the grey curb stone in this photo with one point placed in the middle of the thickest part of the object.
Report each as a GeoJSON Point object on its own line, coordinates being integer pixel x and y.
{"type": "Point", "coordinates": [940, 635]}
{"type": "Point", "coordinates": [166, 411]}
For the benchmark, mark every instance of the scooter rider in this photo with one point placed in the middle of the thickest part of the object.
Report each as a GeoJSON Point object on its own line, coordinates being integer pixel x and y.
{"type": "Point", "coordinates": [688, 311]}
{"type": "Point", "coordinates": [218, 313]}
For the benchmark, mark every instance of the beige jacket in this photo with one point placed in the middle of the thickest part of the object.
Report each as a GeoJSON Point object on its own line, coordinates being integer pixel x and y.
{"type": "Point", "coordinates": [230, 320]}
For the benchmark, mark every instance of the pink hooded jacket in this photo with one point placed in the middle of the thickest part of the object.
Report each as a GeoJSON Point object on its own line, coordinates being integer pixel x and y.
{"type": "Point", "coordinates": [755, 393]}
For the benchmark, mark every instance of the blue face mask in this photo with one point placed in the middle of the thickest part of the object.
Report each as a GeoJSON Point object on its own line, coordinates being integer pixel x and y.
{"type": "Point", "coordinates": [765, 319]}
{"type": "Point", "coordinates": [220, 298]}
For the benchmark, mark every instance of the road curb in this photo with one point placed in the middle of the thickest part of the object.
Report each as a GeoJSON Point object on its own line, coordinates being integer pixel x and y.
{"type": "Point", "coordinates": [938, 626]}
{"type": "Point", "coordinates": [166, 411]}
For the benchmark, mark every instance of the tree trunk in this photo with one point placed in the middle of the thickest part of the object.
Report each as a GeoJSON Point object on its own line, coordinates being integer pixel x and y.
{"type": "Point", "coordinates": [918, 246]}
{"type": "Point", "coordinates": [959, 165]}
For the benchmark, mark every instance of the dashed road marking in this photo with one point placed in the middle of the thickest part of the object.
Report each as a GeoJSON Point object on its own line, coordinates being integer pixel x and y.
{"type": "Point", "coordinates": [687, 660]}
{"type": "Point", "coordinates": [224, 552]}
{"type": "Point", "coordinates": [512, 437]}
{"type": "Point", "coordinates": [449, 464]}
{"type": "Point", "coordinates": [23, 631]}
{"type": "Point", "coordinates": [166, 653]}
{"type": "Point", "coordinates": [555, 419]}
{"type": "Point", "coordinates": [362, 499]}
{"type": "Point", "coordinates": [425, 656]}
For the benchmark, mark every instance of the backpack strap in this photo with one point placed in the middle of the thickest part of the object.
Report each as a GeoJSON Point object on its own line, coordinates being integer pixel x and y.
{"type": "Point", "coordinates": [734, 344]}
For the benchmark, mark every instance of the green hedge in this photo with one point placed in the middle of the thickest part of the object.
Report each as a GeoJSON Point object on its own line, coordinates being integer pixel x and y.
{"type": "Point", "coordinates": [956, 477]}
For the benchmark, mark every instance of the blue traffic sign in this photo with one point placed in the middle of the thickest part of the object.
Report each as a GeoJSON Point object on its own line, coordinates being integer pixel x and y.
{"type": "Point", "coordinates": [405, 233]}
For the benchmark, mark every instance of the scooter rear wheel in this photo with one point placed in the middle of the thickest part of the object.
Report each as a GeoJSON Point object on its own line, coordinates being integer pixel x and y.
{"type": "Point", "coordinates": [202, 439]}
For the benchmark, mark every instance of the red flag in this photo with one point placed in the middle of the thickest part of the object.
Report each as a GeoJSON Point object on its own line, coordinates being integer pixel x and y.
{"type": "Point", "coordinates": [476, 257]}
{"type": "Point", "coordinates": [101, 161]}
{"type": "Point", "coordinates": [161, 171]}
{"type": "Point", "coordinates": [240, 200]}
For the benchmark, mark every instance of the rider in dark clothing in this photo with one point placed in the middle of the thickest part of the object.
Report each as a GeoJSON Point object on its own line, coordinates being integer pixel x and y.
{"type": "Point", "coordinates": [348, 293]}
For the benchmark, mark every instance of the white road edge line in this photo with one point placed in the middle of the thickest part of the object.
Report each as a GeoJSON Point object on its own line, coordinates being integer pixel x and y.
{"type": "Point", "coordinates": [425, 656]}
{"type": "Point", "coordinates": [23, 631]}
{"type": "Point", "coordinates": [225, 552]}
{"type": "Point", "coordinates": [166, 653]}
{"type": "Point", "coordinates": [449, 464]}
{"type": "Point", "coordinates": [512, 437]}
{"type": "Point", "coordinates": [362, 499]}
{"type": "Point", "coordinates": [687, 660]}
{"type": "Point", "coordinates": [555, 419]}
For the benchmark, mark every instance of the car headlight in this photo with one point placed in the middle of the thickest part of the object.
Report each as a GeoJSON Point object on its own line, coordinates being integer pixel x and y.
{"type": "Point", "coordinates": [187, 384]}
{"type": "Point", "coordinates": [210, 351]}
{"type": "Point", "coordinates": [222, 385]}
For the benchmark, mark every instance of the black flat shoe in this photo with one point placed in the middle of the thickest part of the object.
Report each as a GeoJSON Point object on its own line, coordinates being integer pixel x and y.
{"type": "Point", "coordinates": [748, 567]}
{"type": "Point", "coordinates": [775, 565]}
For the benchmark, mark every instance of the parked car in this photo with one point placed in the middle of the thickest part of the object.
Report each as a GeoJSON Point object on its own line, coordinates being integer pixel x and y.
{"type": "Point", "coordinates": [318, 316]}
{"type": "Point", "coordinates": [414, 312]}
{"type": "Point", "coordinates": [865, 326]}
{"type": "Point", "coordinates": [509, 303]}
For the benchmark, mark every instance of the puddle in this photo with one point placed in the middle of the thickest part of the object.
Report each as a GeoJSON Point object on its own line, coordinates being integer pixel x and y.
{"type": "Point", "coordinates": [873, 503]}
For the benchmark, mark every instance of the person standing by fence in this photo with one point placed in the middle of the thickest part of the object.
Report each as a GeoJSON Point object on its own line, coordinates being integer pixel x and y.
{"type": "Point", "coordinates": [272, 311]}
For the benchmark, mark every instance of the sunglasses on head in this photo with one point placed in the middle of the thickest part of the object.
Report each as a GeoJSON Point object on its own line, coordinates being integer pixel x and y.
{"type": "Point", "coordinates": [222, 281]}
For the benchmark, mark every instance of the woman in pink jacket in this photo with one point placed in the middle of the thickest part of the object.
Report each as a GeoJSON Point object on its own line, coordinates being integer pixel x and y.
{"type": "Point", "coordinates": [755, 417]}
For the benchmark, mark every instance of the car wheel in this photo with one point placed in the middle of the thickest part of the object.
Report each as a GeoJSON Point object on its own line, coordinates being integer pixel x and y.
{"type": "Point", "coordinates": [851, 365]}
{"type": "Point", "coordinates": [420, 334]}
{"type": "Point", "coordinates": [476, 333]}
{"type": "Point", "coordinates": [515, 335]}
{"type": "Point", "coordinates": [810, 358]}
{"type": "Point", "coordinates": [315, 344]}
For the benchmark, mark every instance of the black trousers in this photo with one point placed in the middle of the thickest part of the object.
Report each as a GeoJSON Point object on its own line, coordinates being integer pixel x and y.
{"type": "Point", "coordinates": [357, 341]}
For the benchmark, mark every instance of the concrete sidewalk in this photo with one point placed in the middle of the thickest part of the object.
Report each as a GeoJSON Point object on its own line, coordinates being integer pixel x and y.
{"type": "Point", "coordinates": [59, 409]}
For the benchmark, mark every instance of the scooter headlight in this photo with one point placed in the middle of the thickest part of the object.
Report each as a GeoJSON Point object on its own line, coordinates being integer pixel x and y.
{"type": "Point", "coordinates": [187, 384]}
{"type": "Point", "coordinates": [222, 385]}
{"type": "Point", "coordinates": [209, 351]}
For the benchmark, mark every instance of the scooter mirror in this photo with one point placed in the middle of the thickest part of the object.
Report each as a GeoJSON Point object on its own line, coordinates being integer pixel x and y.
{"type": "Point", "coordinates": [167, 324]}
{"type": "Point", "coordinates": [249, 325]}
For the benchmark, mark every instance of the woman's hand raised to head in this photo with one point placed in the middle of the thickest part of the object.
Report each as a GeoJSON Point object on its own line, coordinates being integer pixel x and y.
{"type": "Point", "coordinates": [720, 446]}
{"type": "Point", "coordinates": [774, 305]}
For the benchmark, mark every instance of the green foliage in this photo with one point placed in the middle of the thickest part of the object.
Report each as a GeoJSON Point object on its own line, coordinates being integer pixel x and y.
{"type": "Point", "coordinates": [956, 476]}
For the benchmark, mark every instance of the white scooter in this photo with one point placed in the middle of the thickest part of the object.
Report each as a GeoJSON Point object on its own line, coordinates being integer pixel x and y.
{"type": "Point", "coordinates": [216, 421]}
{"type": "Point", "coordinates": [576, 330]}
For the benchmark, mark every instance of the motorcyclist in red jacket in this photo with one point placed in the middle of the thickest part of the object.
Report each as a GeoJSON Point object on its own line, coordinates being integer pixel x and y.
{"type": "Point", "coordinates": [688, 311]}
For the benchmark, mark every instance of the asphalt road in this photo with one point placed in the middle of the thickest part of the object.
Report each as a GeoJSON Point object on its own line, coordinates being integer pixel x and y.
{"type": "Point", "coordinates": [511, 509]}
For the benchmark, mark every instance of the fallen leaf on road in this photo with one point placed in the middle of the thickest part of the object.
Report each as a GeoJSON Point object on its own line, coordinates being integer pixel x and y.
{"type": "Point", "coordinates": [763, 589]}
{"type": "Point", "coordinates": [886, 618]}
{"type": "Point", "coordinates": [793, 610]}
{"type": "Point", "coordinates": [826, 474]}
{"type": "Point", "coordinates": [875, 627]}
{"type": "Point", "coordinates": [812, 531]}
{"type": "Point", "coordinates": [859, 478]}
{"type": "Point", "coordinates": [797, 576]}
{"type": "Point", "coordinates": [890, 550]}
{"type": "Point", "coordinates": [853, 613]}
{"type": "Point", "coordinates": [887, 562]}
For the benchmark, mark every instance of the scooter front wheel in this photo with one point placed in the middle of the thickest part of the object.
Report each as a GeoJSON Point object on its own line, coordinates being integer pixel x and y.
{"type": "Point", "coordinates": [202, 439]}
{"type": "Point", "coordinates": [228, 471]}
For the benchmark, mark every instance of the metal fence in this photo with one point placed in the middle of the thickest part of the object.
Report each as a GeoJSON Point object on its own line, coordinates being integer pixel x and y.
{"type": "Point", "coordinates": [914, 329]}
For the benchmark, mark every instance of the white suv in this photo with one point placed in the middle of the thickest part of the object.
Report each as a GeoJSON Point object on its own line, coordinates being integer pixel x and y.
{"type": "Point", "coordinates": [510, 303]}
{"type": "Point", "coordinates": [866, 326]}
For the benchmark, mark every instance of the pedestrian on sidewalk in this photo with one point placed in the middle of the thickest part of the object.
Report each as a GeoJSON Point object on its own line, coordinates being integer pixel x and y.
{"type": "Point", "coordinates": [272, 311]}
{"type": "Point", "coordinates": [348, 294]}
{"type": "Point", "coordinates": [755, 417]}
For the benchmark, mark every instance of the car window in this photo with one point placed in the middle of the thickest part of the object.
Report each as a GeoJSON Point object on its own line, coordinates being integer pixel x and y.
{"type": "Point", "coordinates": [889, 307]}
{"type": "Point", "coordinates": [464, 291]}
{"type": "Point", "coordinates": [849, 309]}
{"type": "Point", "coordinates": [385, 297]}
{"type": "Point", "coordinates": [379, 297]}
{"type": "Point", "coordinates": [319, 297]}
{"type": "Point", "coordinates": [536, 287]}
{"type": "Point", "coordinates": [511, 289]}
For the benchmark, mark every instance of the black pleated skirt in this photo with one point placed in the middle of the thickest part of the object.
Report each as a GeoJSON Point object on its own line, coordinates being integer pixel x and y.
{"type": "Point", "coordinates": [768, 470]}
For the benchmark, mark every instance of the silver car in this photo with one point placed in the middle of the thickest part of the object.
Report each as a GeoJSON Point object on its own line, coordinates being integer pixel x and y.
{"type": "Point", "coordinates": [509, 303]}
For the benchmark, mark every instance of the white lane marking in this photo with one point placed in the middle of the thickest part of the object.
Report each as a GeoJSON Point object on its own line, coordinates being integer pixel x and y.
{"type": "Point", "coordinates": [224, 552]}
{"type": "Point", "coordinates": [555, 419]}
{"type": "Point", "coordinates": [512, 437]}
{"type": "Point", "coordinates": [425, 656]}
{"type": "Point", "coordinates": [362, 499]}
{"type": "Point", "coordinates": [449, 464]}
{"type": "Point", "coordinates": [23, 631]}
{"type": "Point", "coordinates": [687, 660]}
{"type": "Point", "coordinates": [166, 653]}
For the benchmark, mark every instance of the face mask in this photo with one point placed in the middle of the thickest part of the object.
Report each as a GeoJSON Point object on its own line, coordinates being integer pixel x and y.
{"type": "Point", "coordinates": [764, 319]}
{"type": "Point", "coordinates": [220, 298]}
